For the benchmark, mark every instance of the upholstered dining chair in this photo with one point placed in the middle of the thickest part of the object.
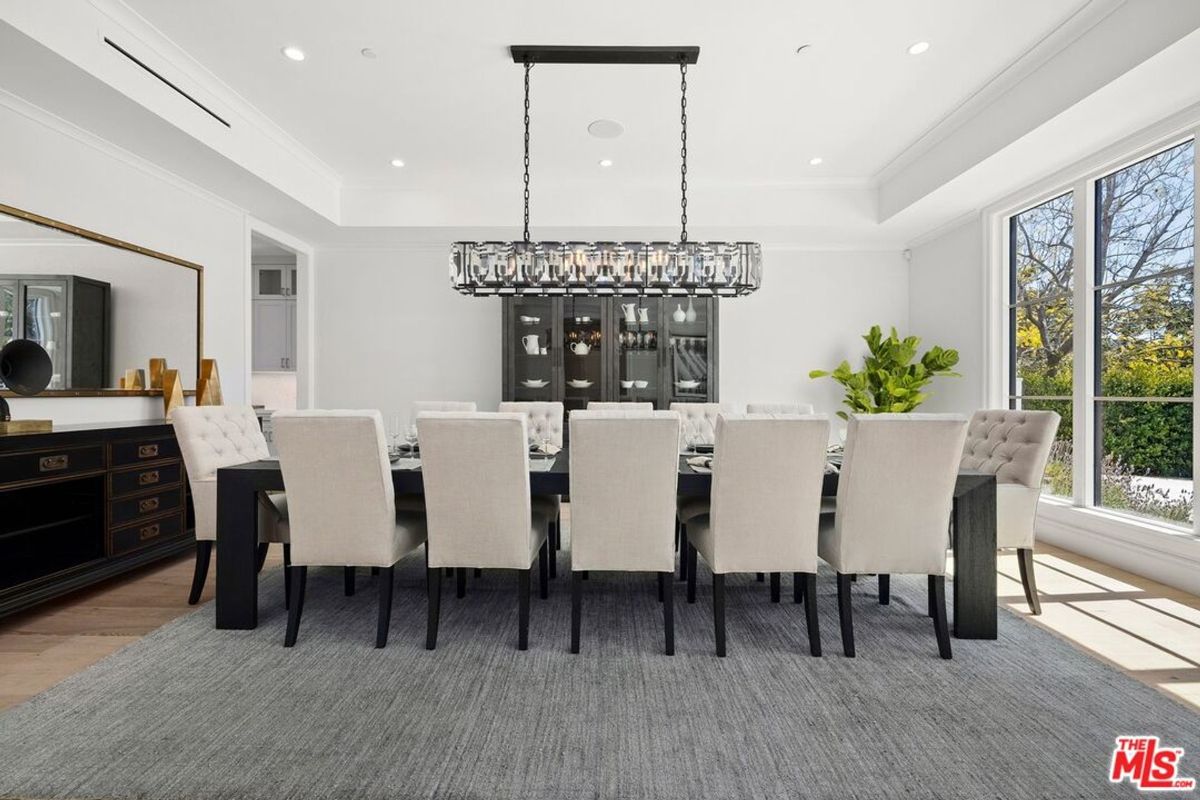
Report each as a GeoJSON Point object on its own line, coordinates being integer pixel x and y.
{"type": "Point", "coordinates": [1014, 445]}
{"type": "Point", "coordinates": [544, 422]}
{"type": "Point", "coordinates": [700, 419]}
{"type": "Point", "coordinates": [211, 437]}
{"type": "Point", "coordinates": [476, 472]}
{"type": "Point", "coordinates": [779, 408]}
{"type": "Point", "coordinates": [894, 499]}
{"type": "Point", "coordinates": [342, 504]}
{"type": "Point", "coordinates": [624, 477]}
{"type": "Point", "coordinates": [600, 405]}
{"type": "Point", "coordinates": [421, 406]}
{"type": "Point", "coordinates": [766, 507]}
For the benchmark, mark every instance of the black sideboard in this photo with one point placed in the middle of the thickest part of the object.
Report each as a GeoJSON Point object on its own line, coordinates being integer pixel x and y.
{"type": "Point", "coordinates": [87, 502]}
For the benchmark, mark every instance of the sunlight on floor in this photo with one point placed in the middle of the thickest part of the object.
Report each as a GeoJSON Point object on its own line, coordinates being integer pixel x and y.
{"type": "Point", "coordinates": [1149, 630]}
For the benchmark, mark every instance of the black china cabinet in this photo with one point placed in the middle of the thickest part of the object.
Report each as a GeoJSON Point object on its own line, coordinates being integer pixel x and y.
{"type": "Point", "coordinates": [583, 349]}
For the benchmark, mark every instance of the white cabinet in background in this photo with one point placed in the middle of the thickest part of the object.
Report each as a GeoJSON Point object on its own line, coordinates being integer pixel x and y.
{"type": "Point", "coordinates": [274, 280]}
{"type": "Point", "coordinates": [274, 335]}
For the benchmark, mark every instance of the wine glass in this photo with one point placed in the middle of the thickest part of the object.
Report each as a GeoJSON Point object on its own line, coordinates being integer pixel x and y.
{"type": "Point", "coordinates": [410, 435]}
{"type": "Point", "coordinates": [395, 431]}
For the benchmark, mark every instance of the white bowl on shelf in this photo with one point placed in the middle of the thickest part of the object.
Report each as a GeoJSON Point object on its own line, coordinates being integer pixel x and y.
{"type": "Point", "coordinates": [687, 384]}
{"type": "Point", "coordinates": [531, 320]}
{"type": "Point", "coordinates": [578, 384]}
{"type": "Point", "coordinates": [641, 384]}
{"type": "Point", "coordinates": [535, 384]}
{"type": "Point", "coordinates": [627, 384]}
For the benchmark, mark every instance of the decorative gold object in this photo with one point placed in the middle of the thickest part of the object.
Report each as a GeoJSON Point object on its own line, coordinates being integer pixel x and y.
{"type": "Point", "coordinates": [208, 388]}
{"type": "Point", "coordinates": [172, 392]}
{"type": "Point", "coordinates": [135, 379]}
{"type": "Point", "coordinates": [14, 426]}
{"type": "Point", "coordinates": [157, 367]}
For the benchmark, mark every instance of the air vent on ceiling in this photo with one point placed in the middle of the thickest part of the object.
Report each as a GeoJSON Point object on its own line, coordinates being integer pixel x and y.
{"type": "Point", "coordinates": [181, 92]}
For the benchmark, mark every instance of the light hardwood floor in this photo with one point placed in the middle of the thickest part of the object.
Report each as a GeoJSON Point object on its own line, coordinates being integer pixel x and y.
{"type": "Point", "coordinates": [1145, 629]}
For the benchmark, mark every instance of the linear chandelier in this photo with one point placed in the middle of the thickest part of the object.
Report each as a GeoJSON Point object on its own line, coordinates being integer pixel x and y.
{"type": "Point", "coordinates": [720, 269]}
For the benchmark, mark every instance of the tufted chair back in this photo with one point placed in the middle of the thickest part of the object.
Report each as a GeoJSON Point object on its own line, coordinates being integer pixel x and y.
{"type": "Point", "coordinates": [792, 409]}
{"type": "Point", "coordinates": [421, 406]}
{"type": "Point", "coordinates": [544, 420]}
{"type": "Point", "coordinates": [602, 405]}
{"type": "Point", "coordinates": [700, 419]}
{"type": "Point", "coordinates": [211, 437]}
{"type": "Point", "coordinates": [1011, 443]}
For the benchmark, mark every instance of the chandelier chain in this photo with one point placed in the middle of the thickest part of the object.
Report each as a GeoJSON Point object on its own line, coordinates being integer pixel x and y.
{"type": "Point", "coordinates": [528, 69]}
{"type": "Point", "coordinates": [683, 151]}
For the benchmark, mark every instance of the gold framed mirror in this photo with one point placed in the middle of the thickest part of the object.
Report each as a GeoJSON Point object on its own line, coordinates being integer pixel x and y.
{"type": "Point", "coordinates": [101, 307]}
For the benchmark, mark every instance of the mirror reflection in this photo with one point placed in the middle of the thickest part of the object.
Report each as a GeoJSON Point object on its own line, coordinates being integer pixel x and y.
{"type": "Point", "coordinates": [98, 310]}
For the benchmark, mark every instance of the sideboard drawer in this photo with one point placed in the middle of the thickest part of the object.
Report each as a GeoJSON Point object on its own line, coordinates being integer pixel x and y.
{"type": "Point", "coordinates": [140, 451]}
{"type": "Point", "coordinates": [145, 533]}
{"type": "Point", "coordinates": [144, 479]}
{"type": "Point", "coordinates": [132, 509]}
{"type": "Point", "coordinates": [50, 464]}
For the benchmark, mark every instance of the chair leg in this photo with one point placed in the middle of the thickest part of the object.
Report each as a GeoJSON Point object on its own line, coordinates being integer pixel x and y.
{"type": "Point", "coordinates": [937, 588]}
{"type": "Point", "coordinates": [555, 546]}
{"type": "Point", "coordinates": [348, 574]}
{"type": "Point", "coordinates": [433, 588]}
{"type": "Point", "coordinates": [845, 614]}
{"type": "Point", "coordinates": [798, 587]}
{"type": "Point", "coordinates": [544, 570]}
{"type": "Point", "coordinates": [460, 582]}
{"type": "Point", "coordinates": [261, 556]}
{"type": "Point", "coordinates": [775, 583]}
{"type": "Point", "coordinates": [296, 606]}
{"type": "Point", "coordinates": [659, 586]}
{"type": "Point", "coordinates": [691, 573]}
{"type": "Point", "coordinates": [809, 581]}
{"type": "Point", "coordinates": [287, 577]}
{"type": "Point", "coordinates": [576, 608]}
{"type": "Point", "coordinates": [719, 612]}
{"type": "Point", "coordinates": [885, 590]}
{"type": "Point", "coordinates": [760, 576]}
{"type": "Point", "coordinates": [385, 606]}
{"type": "Point", "coordinates": [585, 575]}
{"type": "Point", "coordinates": [200, 574]}
{"type": "Point", "coordinates": [682, 548]}
{"type": "Point", "coordinates": [478, 572]}
{"type": "Point", "coordinates": [666, 581]}
{"type": "Point", "coordinates": [929, 611]}
{"type": "Point", "coordinates": [558, 533]}
{"type": "Point", "coordinates": [374, 572]}
{"type": "Point", "coordinates": [1025, 563]}
{"type": "Point", "coordinates": [523, 609]}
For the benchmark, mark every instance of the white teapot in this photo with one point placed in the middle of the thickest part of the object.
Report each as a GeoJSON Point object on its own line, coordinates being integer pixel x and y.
{"type": "Point", "coordinates": [580, 348]}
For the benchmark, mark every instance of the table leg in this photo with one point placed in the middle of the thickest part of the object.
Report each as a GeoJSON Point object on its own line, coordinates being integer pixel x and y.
{"type": "Point", "coordinates": [237, 544]}
{"type": "Point", "coordinates": [975, 563]}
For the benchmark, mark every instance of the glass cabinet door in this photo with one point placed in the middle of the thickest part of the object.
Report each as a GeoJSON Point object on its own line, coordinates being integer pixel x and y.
{"type": "Point", "coordinates": [45, 322]}
{"type": "Point", "coordinates": [688, 339]}
{"type": "Point", "coordinates": [583, 348]}
{"type": "Point", "coordinates": [532, 349]}
{"type": "Point", "coordinates": [8, 311]}
{"type": "Point", "coordinates": [638, 327]}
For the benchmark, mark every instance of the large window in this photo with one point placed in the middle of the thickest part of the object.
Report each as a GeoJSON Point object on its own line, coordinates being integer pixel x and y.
{"type": "Point", "coordinates": [1144, 304]}
{"type": "Point", "coordinates": [1041, 318]}
{"type": "Point", "coordinates": [1136, 454]}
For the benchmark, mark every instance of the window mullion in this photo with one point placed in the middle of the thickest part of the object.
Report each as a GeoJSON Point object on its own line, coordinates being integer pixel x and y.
{"type": "Point", "coordinates": [1083, 443]}
{"type": "Point", "coordinates": [1195, 282]}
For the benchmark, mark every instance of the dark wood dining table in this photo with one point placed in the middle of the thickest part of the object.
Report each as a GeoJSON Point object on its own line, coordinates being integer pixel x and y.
{"type": "Point", "coordinates": [973, 540]}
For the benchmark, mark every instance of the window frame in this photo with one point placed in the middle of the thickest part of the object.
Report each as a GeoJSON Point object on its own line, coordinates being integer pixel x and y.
{"type": "Point", "coordinates": [1082, 181]}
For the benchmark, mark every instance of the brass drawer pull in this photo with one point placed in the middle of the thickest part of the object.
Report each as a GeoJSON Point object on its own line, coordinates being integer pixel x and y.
{"type": "Point", "coordinates": [147, 451]}
{"type": "Point", "coordinates": [148, 478]}
{"type": "Point", "coordinates": [54, 463]}
{"type": "Point", "coordinates": [149, 532]}
{"type": "Point", "coordinates": [149, 504]}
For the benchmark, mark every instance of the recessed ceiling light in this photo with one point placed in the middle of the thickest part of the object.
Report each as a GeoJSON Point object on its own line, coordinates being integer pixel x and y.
{"type": "Point", "coordinates": [606, 162]}
{"type": "Point", "coordinates": [816, 160]}
{"type": "Point", "coordinates": [396, 162]}
{"type": "Point", "coordinates": [917, 48]}
{"type": "Point", "coordinates": [606, 129]}
{"type": "Point", "coordinates": [367, 52]}
{"type": "Point", "coordinates": [293, 52]}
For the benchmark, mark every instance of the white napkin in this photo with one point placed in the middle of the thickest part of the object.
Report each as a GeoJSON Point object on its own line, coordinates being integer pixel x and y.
{"type": "Point", "coordinates": [549, 449]}
{"type": "Point", "coordinates": [541, 464]}
{"type": "Point", "coordinates": [701, 464]}
{"type": "Point", "coordinates": [406, 463]}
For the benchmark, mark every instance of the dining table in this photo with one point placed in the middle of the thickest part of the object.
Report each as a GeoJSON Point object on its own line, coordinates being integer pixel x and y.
{"type": "Point", "coordinates": [972, 529]}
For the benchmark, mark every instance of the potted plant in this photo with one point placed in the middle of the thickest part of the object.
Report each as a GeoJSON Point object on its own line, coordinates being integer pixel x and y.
{"type": "Point", "coordinates": [889, 381]}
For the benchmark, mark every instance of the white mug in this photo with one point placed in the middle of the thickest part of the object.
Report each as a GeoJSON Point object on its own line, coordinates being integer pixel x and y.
{"type": "Point", "coordinates": [531, 344]}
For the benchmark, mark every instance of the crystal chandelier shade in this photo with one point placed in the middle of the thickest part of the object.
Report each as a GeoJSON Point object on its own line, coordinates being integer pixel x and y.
{"type": "Point", "coordinates": [717, 269]}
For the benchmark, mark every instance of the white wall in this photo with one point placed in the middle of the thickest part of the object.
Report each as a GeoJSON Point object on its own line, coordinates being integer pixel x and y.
{"type": "Point", "coordinates": [391, 331]}
{"type": "Point", "coordinates": [51, 169]}
{"type": "Point", "coordinates": [945, 307]}
{"type": "Point", "coordinates": [811, 312]}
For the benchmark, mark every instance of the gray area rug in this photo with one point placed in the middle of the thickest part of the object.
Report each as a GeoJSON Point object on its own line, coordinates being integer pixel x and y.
{"type": "Point", "coordinates": [192, 712]}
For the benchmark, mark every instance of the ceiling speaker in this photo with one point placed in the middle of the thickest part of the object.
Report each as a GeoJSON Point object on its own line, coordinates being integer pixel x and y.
{"type": "Point", "coordinates": [25, 369]}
